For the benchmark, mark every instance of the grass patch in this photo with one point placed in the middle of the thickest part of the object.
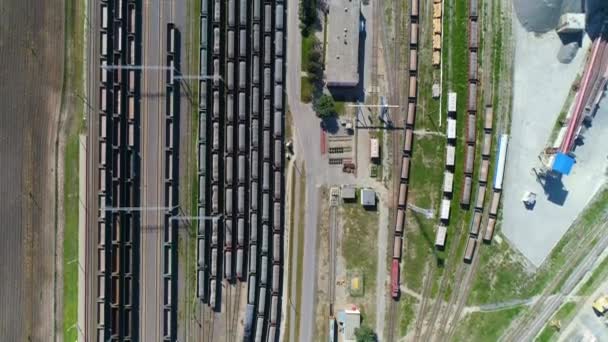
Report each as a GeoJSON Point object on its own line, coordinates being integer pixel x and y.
{"type": "Point", "coordinates": [306, 89]}
{"type": "Point", "coordinates": [340, 107]}
{"type": "Point", "coordinates": [407, 313]}
{"type": "Point", "coordinates": [564, 313]}
{"type": "Point", "coordinates": [359, 242]}
{"type": "Point", "coordinates": [74, 85]}
{"type": "Point", "coordinates": [485, 326]}
{"type": "Point", "coordinates": [308, 44]}
{"type": "Point", "coordinates": [427, 171]}
{"type": "Point", "coordinates": [596, 278]}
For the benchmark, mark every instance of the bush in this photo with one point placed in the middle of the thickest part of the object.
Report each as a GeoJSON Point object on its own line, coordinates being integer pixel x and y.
{"type": "Point", "coordinates": [308, 15]}
{"type": "Point", "coordinates": [365, 334]}
{"type": "Point", "coordinates": [325, 106]}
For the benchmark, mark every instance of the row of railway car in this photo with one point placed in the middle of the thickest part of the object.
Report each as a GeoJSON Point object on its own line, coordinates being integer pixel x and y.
{"type": "Point", "coordinates": [471, 119]}
{"type": "Point", "coordinates": [407, 151]}
{"type": "Point", "coordinates": [241, 154]}
{"type": "Point", "coordinates": [448, 174]}
{"type": "Point", "coordinates": [117, 170]}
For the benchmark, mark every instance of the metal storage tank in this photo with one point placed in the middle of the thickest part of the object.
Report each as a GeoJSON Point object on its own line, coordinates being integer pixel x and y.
{"type": "Point", "coordinates": [414, 34]}
{"type": "Point", "coordinates": [267, 50]}
{"type": "Point", "coordinates": [213, 262]}
{"type": "Point", "coordinates": [476, 223]}
{"type": "Point", "coordinates": [229, 139]}
{"type": "Point", "coordinates": [494, 203]}
{"type": "Point", "coordinates": [278, 70]}
{"type": "Point", "coordinates": [471, 132]}
{"type": "Point", "coordinates": [229, 104]}
{"type": "Point", "coordinates": [402, 194]}
{"type": "Point", "coordinates": [278, 97]}
{"type": "Point", "coordinates": [253, 253]}
{"type": "Point", "coordinates": [242, 42]}
{"type": "Point", "coordinates": [274, 309]}
{"type": "Point", "coordinates": [242, 138]}
{"type": "Point", "coordinates": [253, 227]}
{"type": "Point", "coordinates": [242, 169]}
{"type": "Point", "coordinates": [400, 221]}
{"type": "Point", "coordinates": [412, 87]}
{"type": "Point", "coordinates": [259, 330]}
{"type": "Point", "coordinates": [214, 232]}
{"type": "Point", "coordinates": [265, 237]}
{"type": "Point", "coordinates": [267, 18]}
{"type": "Point", "coordinates": [266, 207]}
{"type": "Point", "coordinates": [228, 264]}
{"type": "Point", "coordinates": [473, 9]}
{"type": "Point", "coordinates": [472, 97]}
{"type": "Point", "coordinates": [228, 195]}
{"type": "Point", "coordinates": [413, 60]}
{"type": "Point", "coordinates": [276, 280]}
{"type": "Point", "coordinates": [397, 241]}
{"type": "Point", "coordinates": [228, 233]}
{"type": "Point", "coordinates": [216, 41]}
{"type": "Point", "coordinates": [267, 82]}
{"type": "Point", "coordinates": [481, 195]}
{"type": "Point", "coordinates": [278, 22]}
{"type": "Point", "coordinates": [231, 44]}
{"type": "Point", "coordinates": [243, 12]}
{"type": "Point", "coordinates": [228, 169]}
{"type": "Point", "coordinates": [262, 299]}
{"type": "Point", "coordinates": [483, 173]}
{"type": "Point", "coordinates": [215, 165]}
{"type": "Point", "coordinates": [254, 133]}
{"type": "Point", "coordinates": [278, 43]}
{"type": "Point", "coordinates": [278, 153]}
{"type": "Point", "coordinates": [266, 177]}
{"type": "Point", "coordinates": [488, 118]}
{"type": "Point", "coordinates": [276, 248]}
{"type": "Point", "coordinates": [239, 263]}
{"type": "Point", "coordinates": [414, 8]}
{"type": "Point", "coordinates": [256, 9]}
{"type": "Point", "coordinates": [266, 146]}
{"type": "Point", "coordinates": [473, 36]}
{"type": "Point", "coordinates": [266, 115]}
{"type": "Point", "coordinates": [212, 293]}
{"type": "Point", "coordinates": [470, 250]}
{"type": "Point", "coordinates": [242, 78]}
{"type": "Point", "coordinates": [251, 282]}
{"type": "Point", "coordinates": [241, 200]}
{"type": "Point", "coordinates": [216, 104]}
{"type": "Point", "coordinates": [469, 159]}
{"type": "Point", "coordinates": [256, 74]}
{"type": "Point", "coordinates": [465, 198]}
{"type": "Point", "coordinates": [256, 38]}
{"type": "Point", "coordinates": [214, 199]}
{"type": "Point", "coordinates": [411, 113]}
{"type": "Point", "coordinates": [405, 168]}
{"type": "Point", "coordinates": [277, 217]}
{"type": "Point", "coordinates": [240, 237]}
{"type": "Point", "coordinates": [264, 271]}
{"type": "Point", "coordinates": [489, 233]}
{"type": "Point", "coordinates": [277, 186]}
{"type": "Point", "coordinates": [231, 13]}
{"type": "Point", "coordinates": [407, 145]}
{"type": "Point", "coordinates": [473, 66]}
{"type": "Point", "coordinates": [487, 145]}
{"type": "Point", "coordinates": [254, 165]}
{"type": "Point", "coordinates": [278, 124]}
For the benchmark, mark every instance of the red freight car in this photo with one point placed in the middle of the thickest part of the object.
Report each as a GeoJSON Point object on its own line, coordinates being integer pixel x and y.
{"type": "Point", "coordinates": [395, 279]}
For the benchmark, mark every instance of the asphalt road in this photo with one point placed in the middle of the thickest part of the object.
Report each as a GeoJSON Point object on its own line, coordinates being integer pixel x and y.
{"type": "Point", "coordinates": [156, 15]}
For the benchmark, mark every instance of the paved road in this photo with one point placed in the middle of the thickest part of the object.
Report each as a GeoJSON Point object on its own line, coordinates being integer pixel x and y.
{"type": "Point", "coordinates": [156, 14]}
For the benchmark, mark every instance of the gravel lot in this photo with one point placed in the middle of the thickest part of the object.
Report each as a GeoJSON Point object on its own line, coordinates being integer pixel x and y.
{"type": "Point", "coordinates": [31, 69]}
{"type": "Point", "coordinates": [541, 85]}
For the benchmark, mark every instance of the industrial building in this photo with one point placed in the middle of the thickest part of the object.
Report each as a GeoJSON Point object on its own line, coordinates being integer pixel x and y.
{"type": "Point", "coordinates": [343, 43]}
{"type": "Point", "coordinates": [348, 193]}
{"type": "Point", "coordinates": [349, 321]}
{"type": "Point", "coordinates": [368, 198]}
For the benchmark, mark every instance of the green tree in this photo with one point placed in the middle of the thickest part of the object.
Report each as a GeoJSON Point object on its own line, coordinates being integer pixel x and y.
{"type": "Point", "coordinates": [308, 15]}
{"type": "Point", "coordinates": [365, 334]}
{"type": "Point", "coordinates": [325, 106]}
